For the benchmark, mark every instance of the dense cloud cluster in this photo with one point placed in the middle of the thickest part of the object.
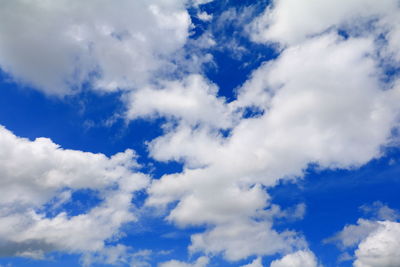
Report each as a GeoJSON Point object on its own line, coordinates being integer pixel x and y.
{"type": "Point", "coordinates": [59, 46]}
{"type": "Point", "coordinates": [325, 100]}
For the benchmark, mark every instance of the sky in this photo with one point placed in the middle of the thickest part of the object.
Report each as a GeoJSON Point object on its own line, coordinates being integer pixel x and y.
{"type": "Point", "coordinates": [200, 133]}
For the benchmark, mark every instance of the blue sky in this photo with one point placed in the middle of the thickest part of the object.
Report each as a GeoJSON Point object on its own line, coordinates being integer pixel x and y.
{"type": "Point", "coordinates": [199, 133]}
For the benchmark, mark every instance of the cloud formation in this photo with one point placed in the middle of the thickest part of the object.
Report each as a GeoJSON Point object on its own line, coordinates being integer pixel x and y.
{"type": "Point", "coordinates": [325, 101]}
{"type": "Point", "coordinates": [39, 177]}
{"type": "Point", "coordinates": [290, 22]}
{"type": "Point", "coordinates": [57, 47]}
{"type": "Point", "coordinates": [375, 240]}
{"type": "Point", "coordinates": [297, 259]}
{"type": "Point", "coordinates": [321, 102]}
{"type": "Point", "coordinates": [381, 247]}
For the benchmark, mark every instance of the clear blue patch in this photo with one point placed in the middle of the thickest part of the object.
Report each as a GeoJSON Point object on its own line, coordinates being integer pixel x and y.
{"type": "Point", "coordinates": [252, 112]}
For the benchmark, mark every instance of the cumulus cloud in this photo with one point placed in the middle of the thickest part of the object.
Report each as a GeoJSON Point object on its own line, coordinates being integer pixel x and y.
{"type": "Point", "coordinates": [381, 247]}
{"type": "Point", "coordinates": [193, 100]}
{"type": "Point", "coordinates": [35, 173]}
{"type": "Point", "coordinates": [320, 102]}
{"type": "Point", "coordinates": [59, 46]}
{"type": "Point", "coordinates": [303, 258]}
{"type": "Point", "coordinates": [239, 240]}
{"type": "Point", "coordinates": [376, 240]}
{"type": "Point", "coordinates": [290, 22]}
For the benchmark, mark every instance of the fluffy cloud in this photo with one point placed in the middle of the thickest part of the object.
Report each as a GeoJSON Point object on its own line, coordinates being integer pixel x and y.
{"type": "Point", "coordinates": [381, 247]}
{"type": "Point", "coordinates": [39, 177]}
{"type": "Point", "coordinates": [323, 101]}
{"type": "Point", "coordinates": [328, 89]}
{"type": "Point", "coordinates": [239, 240]}
{"type": "Point", "coordinates": [376, 240]}
{"type": "Point", "coordinates": [298, 259]}
{"type": "Point", "coordinates": [58, 46]}
{"type": "Point", "coordinates": [291, 22]}
{"type": "Point", "coordinates": [193, 100]}
{"type": "Point", "coordinates": [320, 102]}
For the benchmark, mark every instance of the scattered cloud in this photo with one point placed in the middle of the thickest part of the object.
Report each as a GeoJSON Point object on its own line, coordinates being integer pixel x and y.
{"type": "Point", "coordinates": [380, 211]}
{"type": "Point", "coordinates": [323, 100]}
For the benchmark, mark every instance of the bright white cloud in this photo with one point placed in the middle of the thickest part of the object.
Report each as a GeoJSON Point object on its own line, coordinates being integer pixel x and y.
{"type": "Point", "coordinates": [323, 102]}
{"type": "Point", "coordinates": [35, 176]}
{"type": "Point", "coordinates": [291, 21]}
{"type": "Point", "coordinates": [376, 241]}
{"type": "Point", "coordinates": [185, 144]}
{"type": "Point", "coordinates": [193, 100]}
{"type": "Point", "coordinates": [58, 46]}
{"type": "Point", "coordinates": [381, 247]}
{"type": "Point", "coordinates": [302, 258]}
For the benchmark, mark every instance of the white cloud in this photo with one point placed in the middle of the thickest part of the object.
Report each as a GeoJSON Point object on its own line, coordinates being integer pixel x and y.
{"type": "Point", "coordinates": [57, 46]}
{"type": "Point", "coordinates": [302, 258]}
{"type": "Point", "coordinates": [185, 144]}
{"type": "Point", "coordinates": [34, 173]}
{"type": "Point", "coordinates": [241, 239]}
{"type": "Point", "coordinates": [200, 262]}
{"type": "Point", "coordinates": [381, 247]}
{"type": "Point", "coordinates": [291, 21]}
{"type": "Point", "coordinates": [255, 263]}
{"type": "Point", "coordinates": [204, 16]}
{"type": "Point", "coordinates": [193, 99]}
{"type": "Point", "coordinates": [376, 241]}
{"type": "Point", "coordinates": [323, 102]}
{"type": "Point", "coordinates": [352, 235]}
